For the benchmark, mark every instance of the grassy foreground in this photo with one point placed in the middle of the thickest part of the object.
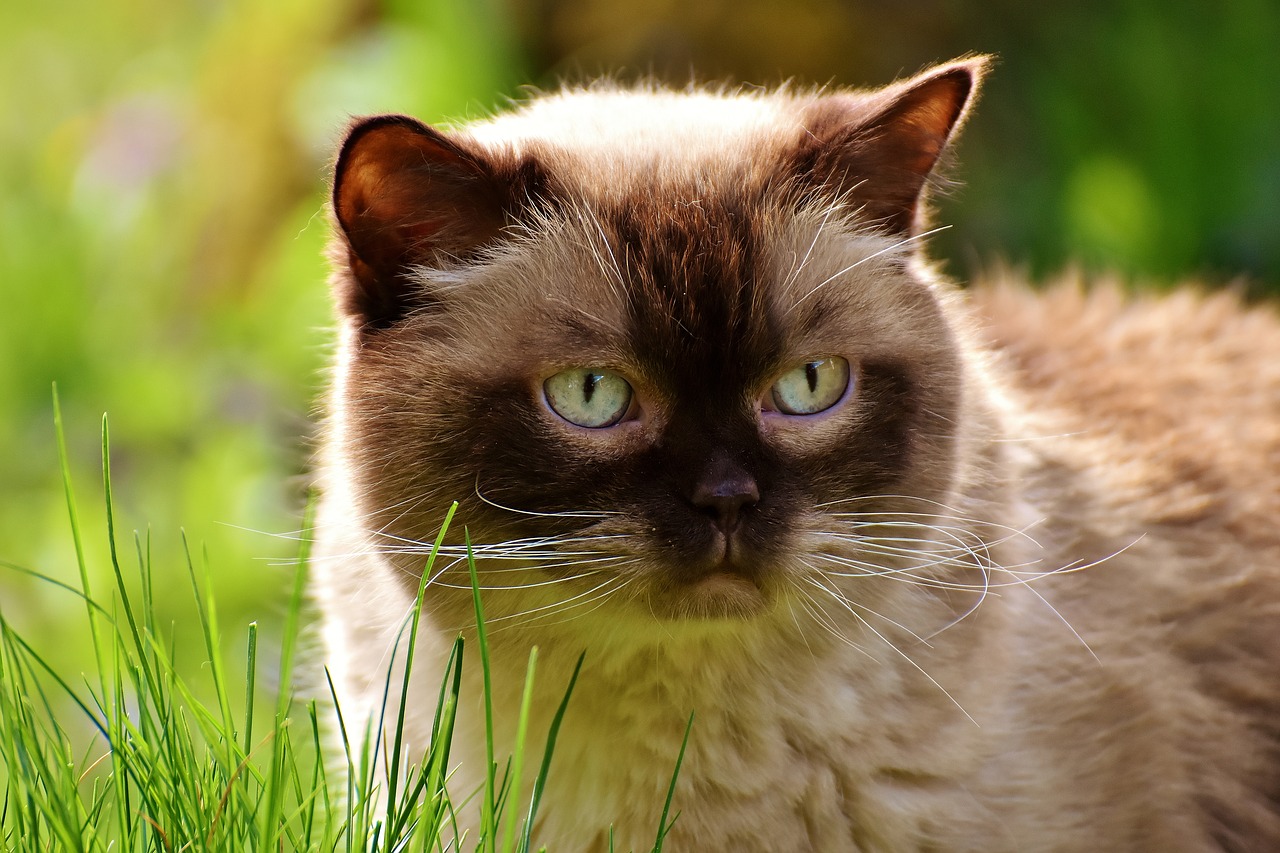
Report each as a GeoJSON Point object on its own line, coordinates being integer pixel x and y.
{"type": "Point", "coordinates": [136, 757]}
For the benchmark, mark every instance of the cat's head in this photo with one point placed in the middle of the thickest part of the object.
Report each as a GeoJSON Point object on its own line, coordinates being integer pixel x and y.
{"type": "Point", "coordinates": [674, 347]}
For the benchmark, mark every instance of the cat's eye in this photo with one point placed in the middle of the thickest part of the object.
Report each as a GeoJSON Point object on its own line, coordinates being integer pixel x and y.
{"type": "Point", "coordinates": [812, 387]}
{"type": "Point", "coordinates": [588, 397]}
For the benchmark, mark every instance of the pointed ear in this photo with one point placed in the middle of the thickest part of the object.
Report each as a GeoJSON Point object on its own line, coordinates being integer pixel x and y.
{"type": "Point", "coordinates": [878, 149]}
{"type": "Point", "coordinates": [406, 195]}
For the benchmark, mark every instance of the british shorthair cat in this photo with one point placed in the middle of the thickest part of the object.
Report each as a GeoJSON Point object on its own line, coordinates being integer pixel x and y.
{"type": "Point", "coordinates": [935, 570]}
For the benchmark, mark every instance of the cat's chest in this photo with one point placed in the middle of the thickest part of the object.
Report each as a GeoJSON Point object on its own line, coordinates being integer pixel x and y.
{"type": "Point", "coordinates": [771, 765]}
{"type": "Point", "coordinates": [753, 777]}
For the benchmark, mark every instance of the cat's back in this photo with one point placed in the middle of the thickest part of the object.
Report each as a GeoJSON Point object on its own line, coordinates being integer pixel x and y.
{"type": "Point", "coordinates": [1182, 389]}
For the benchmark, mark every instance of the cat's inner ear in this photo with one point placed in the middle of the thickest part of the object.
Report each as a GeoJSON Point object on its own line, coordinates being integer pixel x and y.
{"type": "Point", "coordinates": [878, 150]}
{"type": "Point", "coordinates": [406, 195]}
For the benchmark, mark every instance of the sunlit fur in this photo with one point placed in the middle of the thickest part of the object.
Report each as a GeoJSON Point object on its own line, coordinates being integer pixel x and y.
{"type": "Point", "coordinates": [972, 608]}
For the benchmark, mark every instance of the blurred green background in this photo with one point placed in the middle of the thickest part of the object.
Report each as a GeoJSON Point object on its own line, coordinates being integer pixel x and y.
{"type": "Point", "coordinates": [162, 178]}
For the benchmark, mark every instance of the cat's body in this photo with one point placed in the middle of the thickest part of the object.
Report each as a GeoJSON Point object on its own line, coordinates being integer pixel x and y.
{"type": "Point", "coordinates": [1012, 597]}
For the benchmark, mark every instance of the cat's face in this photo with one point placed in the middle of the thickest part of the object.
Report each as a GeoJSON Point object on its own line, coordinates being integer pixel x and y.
{"type": "Point", "coordinates": [692, 380]}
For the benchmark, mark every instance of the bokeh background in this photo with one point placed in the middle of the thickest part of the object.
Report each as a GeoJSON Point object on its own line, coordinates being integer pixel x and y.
{"type": "Point", "coordinates": [163, 166]}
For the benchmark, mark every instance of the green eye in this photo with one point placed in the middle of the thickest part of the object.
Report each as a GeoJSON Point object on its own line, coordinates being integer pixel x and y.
{"type": "Point", "coordinates": [588, 397]}
{"type": "Point", "coordinates": [812, 387]}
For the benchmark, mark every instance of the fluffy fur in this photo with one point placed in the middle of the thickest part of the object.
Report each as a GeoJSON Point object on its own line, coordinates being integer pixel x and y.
{"type": "Point", "coordinates": [1018, 590]}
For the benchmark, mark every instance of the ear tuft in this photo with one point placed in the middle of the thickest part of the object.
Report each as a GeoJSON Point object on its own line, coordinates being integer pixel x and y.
{"type": "Point", "coordinates": [878, 149]}
{"type": "Point", "coordinates": [406, 195]}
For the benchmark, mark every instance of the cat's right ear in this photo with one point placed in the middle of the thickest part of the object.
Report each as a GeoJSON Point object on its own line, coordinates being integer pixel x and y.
{"type": "Point", "coordinates": [405, 195]}
{"type": "Point", "coordinates": [879, 150]}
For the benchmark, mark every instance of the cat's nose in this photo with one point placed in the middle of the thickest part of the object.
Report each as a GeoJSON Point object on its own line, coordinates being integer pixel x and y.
{"type": "Point", "coordinates": [724, 494]}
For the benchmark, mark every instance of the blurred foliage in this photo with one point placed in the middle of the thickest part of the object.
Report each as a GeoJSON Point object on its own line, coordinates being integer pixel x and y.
{"type": "Point", "coordinates": [161, 235]}
{"type": "Point", "coordinates": [164, 163]}
{"type": "Point", "coordinates": [1136, 135]}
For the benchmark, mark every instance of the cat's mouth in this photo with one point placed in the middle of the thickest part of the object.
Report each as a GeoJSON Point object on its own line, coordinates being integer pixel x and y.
{"type": "Point", "coordinates": [723, 589]}
{"type": "Point", "coordinates": [729, 590]}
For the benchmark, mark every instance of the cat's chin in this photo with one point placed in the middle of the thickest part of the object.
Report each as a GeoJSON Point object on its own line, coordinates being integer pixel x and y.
{"type": "Point", "coordinates": [715, 595]}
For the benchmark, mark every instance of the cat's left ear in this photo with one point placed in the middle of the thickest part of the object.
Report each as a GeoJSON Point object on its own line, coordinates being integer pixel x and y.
{"type": "Point", "coordinates": [877, 150]}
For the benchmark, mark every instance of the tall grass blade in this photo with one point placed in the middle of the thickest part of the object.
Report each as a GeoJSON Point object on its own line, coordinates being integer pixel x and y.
{"type": "Point", "coordinates": [489, 806]}
{"type": "Point", "coordinates": [397, 746]}
{"type": "Point", "coordinates": [663, 826]}
{"type": "Point", "coordinates": [512, 799]}
{"type": "Point", "coordinates": [74, 516]}
{"type": "Point", "coordinates": [540, 784]}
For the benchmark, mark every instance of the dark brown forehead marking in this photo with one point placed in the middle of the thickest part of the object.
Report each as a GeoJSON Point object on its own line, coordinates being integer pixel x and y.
{"type": "Point", "coordinates": [696, 282]}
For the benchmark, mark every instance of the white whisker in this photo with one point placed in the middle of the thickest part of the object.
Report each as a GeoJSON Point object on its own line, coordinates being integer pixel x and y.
{"type": "Point", "coordinates": [872, 256]}
{"type": "Point", "coordinates": [907, 658]}
{"type": "Point", "coordinates": [598, 593]}
{"type": "Point", "coordinates": [844, 602]}
{"type": "Point", "coordinates": [560, 514]}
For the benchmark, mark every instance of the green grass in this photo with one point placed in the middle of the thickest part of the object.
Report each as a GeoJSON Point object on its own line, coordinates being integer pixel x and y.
{"type": "Point", "coordinates": [166, 769]}
{"type": "Point", "coordinates": [136, 756]}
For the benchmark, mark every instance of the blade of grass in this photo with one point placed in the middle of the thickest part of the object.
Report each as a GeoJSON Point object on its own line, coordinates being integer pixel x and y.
{"type": "Point", "coordinates": [353, 821]}
{"type": "Point", "coordinates": [293, 615]}
{"type": "Point", "coordinates": [430, 781]}
{"type": "Point", "coordinates": [74, 517]}
{"type": "Point", "coordinates": [397, 744]}
{"type": "Point", "coordinates": [250, 683]}
{"type": "Point", "coordinates": [272, 823]}
{"type": "Point", "coordinates": [489, 806]}
{"type": "Point", "coordinates": [207, 611]}
{"type": "Point", "coordinates": [663, 826]}
{"type": "Point", "coordinates": [539, 784]}
{"type": "Point", "coordinates": [517, 761]}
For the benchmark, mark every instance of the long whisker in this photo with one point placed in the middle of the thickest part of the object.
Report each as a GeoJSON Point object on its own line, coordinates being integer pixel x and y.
{"type": "Point", "coordinates": [872, 256]}
{"type": "Point", "coordinates": [798, 268]}
{"type": "Point", "coordinates": [986, 588]}
{"type": "Point", "coordinates": [558, 514]}
{"type": "Point", "coordinates": [824, 621]}
{"type": "Point", "coordinates": [599, 601]}
{"type": "Point", "coordinates": [909, 660]}
{"type": "Point", "coordinates": [519, 586]}
{"type": "Point", "coordinates": [904, 575]}
{"type": "Point", "coordinates": [844, 602]}
{"type": "Point", "coordinates": [869, 569]}
{"type": "Point", "coordinates": [597, 593]}
{"type": "Point", "coordinates": [1077, 567]}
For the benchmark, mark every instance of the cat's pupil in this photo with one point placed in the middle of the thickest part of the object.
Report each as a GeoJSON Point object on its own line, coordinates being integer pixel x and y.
{"type": "Point", "coordinates": [589, 385]}
{"type": "Point", "coordinates": [811, 375]}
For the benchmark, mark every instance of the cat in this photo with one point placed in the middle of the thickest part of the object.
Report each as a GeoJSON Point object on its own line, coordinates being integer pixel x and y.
{"type": "Point", "coordinates": [934, 569]}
